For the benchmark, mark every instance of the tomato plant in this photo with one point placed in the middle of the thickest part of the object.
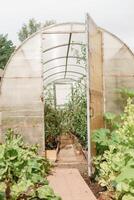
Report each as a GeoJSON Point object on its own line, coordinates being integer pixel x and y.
{"type": "Point", "coordinates": [75, 113]}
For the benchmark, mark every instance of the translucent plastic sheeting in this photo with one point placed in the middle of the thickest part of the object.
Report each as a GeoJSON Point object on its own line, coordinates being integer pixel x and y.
{"type": "Point", "coordinates": [65, 90]}
{"type": "Point", "coordinates": [62, 55]}
{"type": "Point", "coordinates": [118, 69]}
{"type": "Point", "coordinates": [21, 87]}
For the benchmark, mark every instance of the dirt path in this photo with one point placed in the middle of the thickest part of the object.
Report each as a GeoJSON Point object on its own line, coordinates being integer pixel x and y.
{"type": "Point", "coordinates": [69, 184]}
{"type": "Point", "coordinates": [66, 179]}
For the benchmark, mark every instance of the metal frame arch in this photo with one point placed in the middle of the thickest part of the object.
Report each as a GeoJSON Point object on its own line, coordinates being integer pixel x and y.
{"type": "Point", "coordinates": [61, 72]}
{"type": "Point", "coordinates": [61, 58]}
{"type": "Point", "coordinates": [45, 29]}
{"type": "Point", "coordinates": [60, 79]}
{"type": "Point", "coordinates": [79, 66]}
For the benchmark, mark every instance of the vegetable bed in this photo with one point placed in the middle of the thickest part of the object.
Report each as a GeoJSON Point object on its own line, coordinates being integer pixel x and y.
{"type": "Point", "coordinates": [114, 163]}
{"type": "Point", "coordinates": [23, 173]}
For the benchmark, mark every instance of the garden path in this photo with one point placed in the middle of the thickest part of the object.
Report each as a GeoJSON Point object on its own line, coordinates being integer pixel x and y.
{"type": "Point", "coordinates": [66, 179]}
{"type": "Point", "coordinates": [69, 184]}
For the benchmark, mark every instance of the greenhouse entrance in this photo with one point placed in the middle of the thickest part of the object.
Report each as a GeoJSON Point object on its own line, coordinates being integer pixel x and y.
{"type": "Point", "coordinates": [72, 79]}
{"type": "Point", "coordinates": [75, 66]}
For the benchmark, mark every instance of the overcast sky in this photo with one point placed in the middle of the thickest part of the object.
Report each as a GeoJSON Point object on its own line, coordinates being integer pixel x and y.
{"type": "Point", "coordinates": [116, 16]}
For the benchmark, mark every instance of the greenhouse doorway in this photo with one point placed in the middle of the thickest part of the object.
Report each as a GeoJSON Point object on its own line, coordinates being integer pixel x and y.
{"type": "Point", "coordinates": [69, 77]}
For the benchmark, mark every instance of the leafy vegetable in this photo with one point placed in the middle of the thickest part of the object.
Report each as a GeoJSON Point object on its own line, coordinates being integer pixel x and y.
{"type": "Point", "coordinates": [22, 170]}
{"type": "Point", "coordinates": [115, 165]}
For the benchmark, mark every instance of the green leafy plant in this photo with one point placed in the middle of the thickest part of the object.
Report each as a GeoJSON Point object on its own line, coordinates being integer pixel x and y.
{"type": "Point", "coordinates": [125, 93]}
{"type": "Point", "coordinates": [115, 166]}
{"type": "Point", "coordinates": [6, 49]}
{"type": "Point", "coordinates": [106, 136]}
{"type": "Point", "coordinates": [112, 121]}
{"type": "Point", "coordinates": [75, 112]}
{"type": "Point", "coordinates": [101, 138]}
{"type": "Point", "coordinates": [53, 126]}
{"type": "Point", "coordinates": [72, 118]}
{"type": "Point", "coordinates": [22, 171]}
{"type": "Point", "coordinates": [31, 27]}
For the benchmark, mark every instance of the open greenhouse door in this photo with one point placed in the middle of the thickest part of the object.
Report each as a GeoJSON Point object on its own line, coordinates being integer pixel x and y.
{"type": "Point", "coordinates": [94, 83]}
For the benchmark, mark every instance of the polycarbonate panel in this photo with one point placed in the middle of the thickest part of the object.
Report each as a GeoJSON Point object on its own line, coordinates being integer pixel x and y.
{"type": "Point", "coordinates": [61, 55]}
{"type": "Point", "coordinates": [76, 69]}
{"type": "Point", "coordinates": [54, 63]}
{"type": "Point", "coordinates": [76, 61]}
{"type": "Point", "coordinates": [53, 40]}
{"type": "Point", "coordinates": [70, 70]}
{"type": "Point", "coordinates": [66, 27]}
{"type": "Point", "coordinates": [21, 89]}
{"type": "Point", "coordinates": [24, 108]}
{"type": "Point", "coordinates": [59, 28]}
{"type": "Point", "coordinates": [78, 38]}
{"type": "Point", "coordinates": [60, 76]}
{"type": "Point", "coordinates": [71, 73]}
{"type": "Point", "coordinates": [76, 78]}
{"type": "Point", "coordinates": [75, 50]}
{"type": "Point", "coordinates": [63, 92]}
{"type": "Point", "coordinates": [118, 71]}
{"type": "Point", "coordinates": [27, 60]}
{"type": "Point", "coordinates": [55, 53]}
{"type": "Point", "coordinates": [95, 56]}
{"type": "Point", "coordinates": [53, 71]}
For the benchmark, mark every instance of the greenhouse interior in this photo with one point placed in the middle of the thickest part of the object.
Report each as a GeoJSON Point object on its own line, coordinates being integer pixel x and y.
{"type": "Point", "coordinates": [60, 81]}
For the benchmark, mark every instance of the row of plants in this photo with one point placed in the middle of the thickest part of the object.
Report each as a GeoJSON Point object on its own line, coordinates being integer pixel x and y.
{"type": "Point", "coordinates": [23, 173]}
{"type": "Point", "coordinates": [53, 126]}
{"type": "Point", "coordinates": [114, 162]}
{"type": "Point", "coordinates": [52, 120]}
{"type": "Point", "coordinates": [72, 118]}
{"type": "Point", "coordinates": [75, 113]}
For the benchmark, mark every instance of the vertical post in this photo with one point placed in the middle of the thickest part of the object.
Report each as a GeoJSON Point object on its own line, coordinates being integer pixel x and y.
{"type": "Point", "coordinates": [55, 95]}
{"type": "Point", "coordinates": [43, 101]}
{"type": "Point", "coordinates": [88, 94]}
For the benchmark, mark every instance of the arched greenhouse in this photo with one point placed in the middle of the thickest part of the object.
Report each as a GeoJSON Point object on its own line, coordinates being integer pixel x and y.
{"type": "Point", "coordinates": [58, 57]}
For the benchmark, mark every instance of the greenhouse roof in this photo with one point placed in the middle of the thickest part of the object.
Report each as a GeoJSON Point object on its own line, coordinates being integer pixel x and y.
{"type": "Point", "coordinates": [62, 53]}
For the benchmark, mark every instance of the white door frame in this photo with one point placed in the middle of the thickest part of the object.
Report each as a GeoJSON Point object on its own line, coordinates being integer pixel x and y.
{"type": "Point", "coordinates": [88, 95]}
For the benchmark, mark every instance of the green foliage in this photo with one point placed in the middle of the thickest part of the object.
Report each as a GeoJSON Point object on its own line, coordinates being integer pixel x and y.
{"type": "Point", "coordinates": [52, 119]}
{"type": "Point", "coordinates": [31, 27]}
{"type": "Point", "coordinates": [81, 55]}
{"type": "Point", "coordinates": [49, 23]}
{"type": "Point", "coordinates": [22, 170]}
{"type": "Point", "coordinates": [112, 121]}
{"type": "Point", "coordinates": [115, 166]}
{"type": "Point", "coordinates": [73, 117]}
{"type": "Point", "coordinates": [125, 93]}
{"type": "Point", "coordinates": [53, 125]}
{"type": "Point", "coordinates": [101, 137]}
{"type": "Point", "coordinates": [28, 29]}
{"type": "Point", "coordinates": [75, 112]}
{"type": "Point", "coordinates": [6, 49]}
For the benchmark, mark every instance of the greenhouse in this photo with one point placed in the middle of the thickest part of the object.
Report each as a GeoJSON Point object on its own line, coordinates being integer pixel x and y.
{"type": "Point", "coordinates": [46, 68]}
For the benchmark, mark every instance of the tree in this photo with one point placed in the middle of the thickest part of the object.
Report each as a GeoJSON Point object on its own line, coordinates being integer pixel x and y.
{"type": "Point", "coordinates": [49, 22]}
{"type": "Point", "coordinates": [6, 49]}
{"type": "Point", "coordinates": [31, 27]}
